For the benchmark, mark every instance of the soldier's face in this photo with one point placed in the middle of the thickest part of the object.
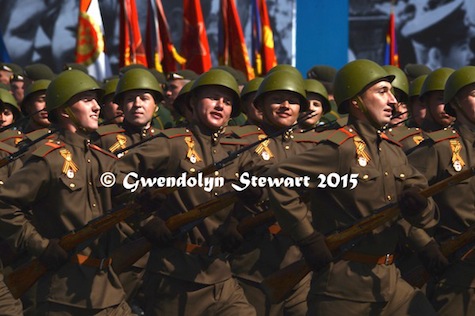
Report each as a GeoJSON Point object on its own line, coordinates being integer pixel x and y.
{"type": "Point", "coordinates": [316, 110]}
{"type": "Point", "coordinates": [86, 111]}
{"type": "Point", "coordinates": [6, 115]}
{"type": "Point", "coordinates": [466, 99]}
{"type": "Point", "coordinates": [399, 117]}
{"type": "Point", "coordinates": [5, 77]}
{"type": "Point", "coordinates": [18, 90]}
{"type": "Point", "coordinates": [435, 107]}
{"type": "Point", "coordinates": [418, 110]}
{"type": "Point", "coordinates": [213, 106]}
{"type": "Point", "coordinates": [111, 112]}
{"type": "Point", "coordinates": [172, 90]}
{"type": "Point", "coordinates": [38, 106]}
{"type": "Point", "coordinates": [379, 102]}
{"type": "Point", "coordinates": [139, 107]}
{"type": "Point", "coordinates": [253, 114]}
{"type": "Point", "coordinates": [281, 108]}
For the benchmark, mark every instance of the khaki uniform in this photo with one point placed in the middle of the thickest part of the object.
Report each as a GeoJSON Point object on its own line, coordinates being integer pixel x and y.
{"type": "Point", "coordinates": [180, 281]}
{"type": "Point", "coordinates": [11, 137]}
{"type": "Point", "coordinates": [442, 155]}
{"type": "Point", "coordinates": [60, 184]}
{"type": "Point", "coordinates": [8, 304]}
{"type": "Point", "coordinates": [267, 250]}
{"type": "Point", "coordinates": [350, 286]}
{"type": "Point", "coordinates": [407, 137]}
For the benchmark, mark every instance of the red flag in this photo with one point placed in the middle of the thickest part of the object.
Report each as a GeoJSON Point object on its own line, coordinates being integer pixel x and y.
{"type": "Point", "coordinates": [161, 53]}
{"type": "Point", "coordinates": [391, 56]}
{"type": "Point", "coordinates": [232, 49]}
{"type": "Point", "coordinates": [90, 40]}
{"type": "Point", "coordinates": [269, 59]}
{"type": "Point", "coordinates": [194, 45]}
{"type": "Point", "coordinates": [131, 46]}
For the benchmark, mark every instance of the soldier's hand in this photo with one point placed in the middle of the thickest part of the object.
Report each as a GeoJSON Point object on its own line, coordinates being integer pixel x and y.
{"type": "Point", "coordinates": [251, 195]}
{"type": "Point", "coordinates": [315, 251]}
{"type": "Point", "coordinates": [229, 235]}
{"type": "Point", "coordinates": [149, 200]}
{"type": "Point", "coordinates": [411, 202]}
{"type": "Point", "coordinates": [432, 258]}
{"type": "Point", "coordinates": [53, 257]}
{"type": "Point", "coordinates": [157, 232]}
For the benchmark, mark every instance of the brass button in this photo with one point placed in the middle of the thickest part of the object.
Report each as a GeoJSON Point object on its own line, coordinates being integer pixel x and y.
{"type": "Point", "coordinates": [90, 183]}
{"type": "Point", "coordinates": [386, 173]}
{"type": "Point", "coordinates": [88, 160]}
{"type": "Point", "coordinates": [93, 204]}
{"type": "Point", "coordinates": [365, 177]}
{"type": "Point", "coordinates": [215, 193]}
{"type": "Point", "coordinates": [287, 147]}
{"type": "Point", "coordinates": [402, 175]}
{"type": "Point", "coordinates": [216, 173]}
{"type": "Point", "coordinates": [72, 185]}
{"type": "Point", "coordinates": [192, 170]}
{"type": "Point", "coordinates": [389, 198]}
{"type": "Point", "coordinates": [214, 151]}
{"type": "Point", "coordinates": [1, 182]}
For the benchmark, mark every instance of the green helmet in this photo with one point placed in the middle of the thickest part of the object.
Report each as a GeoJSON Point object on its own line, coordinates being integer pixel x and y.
{"type": "Point", "coordinates": [283, 81]}
{"type": "Point", "coordinates": [251, 86]}
{"type": "Point", "coordinates": [222, 78]}
{"type": "Point", "coordinates": [435, 81]}
{"type": "Point", "coordinates": [181, 98]}
{"type": "Point", "coordinates": [109, 86]}
{"type": "Point", "coordinates": [138, 79]}
{"type": "Point", "coordinates": [416, 85]}
{"type": "Point", "coordinates": [315, 86]}
{"type": "Point", "coordinates": [457, 80]}
{"type": "Point", "coordinates": [285, 67]}
{"type": "Point", "coordinates": [68, 84]}
{"type": "Point", "coordinates": [353, 78]}
{"type": "Point", "coordinates": [400, 82]}
{"type": "Point", "coordinates": [7, 98]}
{"type": "Point", "coordinates": [32, 89]}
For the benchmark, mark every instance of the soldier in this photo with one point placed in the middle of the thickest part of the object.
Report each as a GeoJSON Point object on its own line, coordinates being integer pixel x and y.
{"type": "Point", "coordinates": [60, 183]}
{"type": "Point", "coordinates": [281, 97]}
{"type": "Point", "coordinates": [398, 131]}
{"type": "Point", "coordinates": [5, 73]}
{"type": "Point", "coordinates": [364, 280]}
{"type": "Point", "coordinates": [17, 86]}
{"type": "Point", "coordinates": [9, 113]}
{"type": "Point", "coordinates": [110, 111]}
{"type": "Point", "coordinates": [38, 71]}
{"type": "Point", "coordinates": [319, 104]}
{"type": "Point", "coordinates": [34, 106]}
{"type": "Point", "coordinates": [182, 107]}
{"type": "Point", "coordinates": [138, 95]}
{"type": "Point", "coordinates": [175, 82]}
{"type": "Point", "coordinates": [254, 116]}
{"type": "Point", "coordinates": [186, 278]}
{"type": "Point", "coordinates": [416, 107]}
{"type": "Point", "coordinates": [432, 95]}
{"type": "Point", "coordinates": [451, 153]}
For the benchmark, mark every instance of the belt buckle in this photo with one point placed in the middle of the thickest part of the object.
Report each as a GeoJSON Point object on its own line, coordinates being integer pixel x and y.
{"type": "Point", "coordinates": [387, 259]}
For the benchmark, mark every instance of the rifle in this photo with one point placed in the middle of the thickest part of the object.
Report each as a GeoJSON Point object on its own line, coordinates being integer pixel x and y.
{"type": "Point", "coordinates": [278, 285]}
{"type": "Point", "coordinates": [418, 276]}
{"type": "Point", "coordinates": [127, 255]}
{"type": "Point", "coordinates": [23, 149]}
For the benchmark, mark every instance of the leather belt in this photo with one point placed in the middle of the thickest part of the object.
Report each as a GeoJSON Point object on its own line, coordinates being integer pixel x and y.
{"type": "Point", "coordinates": [387, 259]}
{"type": "Point", "coordinates": [91, 262]}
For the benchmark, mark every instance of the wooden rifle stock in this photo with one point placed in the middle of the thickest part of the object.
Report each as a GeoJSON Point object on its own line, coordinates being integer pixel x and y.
{"type": "Point", "coordinates": [128, 254]}
{"type": "Point", "coordinates": [278, 285]}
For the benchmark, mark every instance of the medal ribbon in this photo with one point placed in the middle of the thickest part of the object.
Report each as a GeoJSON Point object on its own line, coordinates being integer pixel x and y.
{"type": "Point", "coordinates": [68, 161]}
{"type": "Point", "coordinates": [191, 149]}
{"type": "Point", "coordinates": [360, 146]}
{"type": "Point", "coordinates": [456, 148]}
{"type": "Point", "coordinates": [121, 141]}
{"type": "Point", "coordinates": [263, 147]}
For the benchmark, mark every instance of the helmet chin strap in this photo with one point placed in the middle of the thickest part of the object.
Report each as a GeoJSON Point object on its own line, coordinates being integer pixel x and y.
{"type": "Point", "coordinates": [74, 120]}
{"type": "Point", "coordinates": [366, 113]}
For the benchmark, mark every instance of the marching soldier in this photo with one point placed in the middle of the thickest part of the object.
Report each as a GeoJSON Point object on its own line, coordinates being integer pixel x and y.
{"type": "Point", "coordinates": [9, 113]}
{"type": "Point", "coordinates": [254, 116]}
{"type": "Point", "coordinates": [319, 104]}
{"type": "Point", "coordinates": [281, 97]}
{"type": "Point", "coordinates": [186, 277]}
{"type": "Point", "coordinates": [110, 111]}
{"type": "Point", "coordinates": [416, 107]}
{"type": "Point", "coordinates": [363, 280]}
{"type": "Point", "coordinates": [437, 159]}
{"type": "Point", "coordinates": [60, 184]}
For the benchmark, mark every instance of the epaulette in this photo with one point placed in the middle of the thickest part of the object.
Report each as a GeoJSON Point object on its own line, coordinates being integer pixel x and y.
{"type": "Point", "coordinates": [48, 147]}
{"type": "Point", "coordinates": [385, 137]}
{"type": "Point", "coordinates": [443, 134]}
{"type": "Point", "coordinates": [176, 132]}
{"type": "Point", "coordinates": [7, 148]}
{"type": "Point", "coordinates": [8, 134]}
{"type": "Point", "coordinates": [99, 149]}
{"type": "Point", "coordinates": [401, 133]}
{"type": "Point", "coordinates": [109, 129]}
{"type": "Point", "coordinates": [245, 130]}
{"type": "Point", "coordinates": [340, 135]}
{"type": "Point", "coordinates": [307, 137]}
{"type": "Point", "coordinates": [37, 134]}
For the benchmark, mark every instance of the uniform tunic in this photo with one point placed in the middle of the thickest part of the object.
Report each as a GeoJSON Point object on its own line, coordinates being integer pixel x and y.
{"type": "Point", "coordinates": [62, 201]}
{"type": "Point", "coordinates": [454, 292]}
{"type": "Point", "coordinates": [381, 176]}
